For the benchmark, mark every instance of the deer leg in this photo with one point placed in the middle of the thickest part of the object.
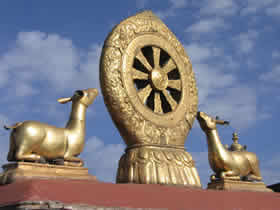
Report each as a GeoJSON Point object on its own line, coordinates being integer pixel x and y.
{"type": "Point", "coordinates": [255, 173]}
{"type": "Point", "coordinates": [230, 175]}
{"type": "Point", "coordinates": [75, 164]}
{"type": "Point", "coordinates": [254, 177]}
{"type": "Point", "coordinates": [23, 155]}
{"type": "Point", "coordinates": [73, 161]}
{"type": "Point", "coordinates": [72, 158]}
{"type": "Point", "coordinates": [28, 157]}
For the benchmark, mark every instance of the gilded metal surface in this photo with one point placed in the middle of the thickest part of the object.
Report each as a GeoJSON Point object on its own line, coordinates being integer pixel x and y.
{"type": "Point", "coordinates": [150, 91]}
{"type": "Point", "coordinates": [234, 165]}
{"type": "Point", "coordinates": [234, 185]}
{"type": "Point", "coordinates": [157, 165]}
{"type": "Point", "coordinates": [235, 145]}
{"type": "Point", "coordinates": [26, 170]}
{"type": "Point", "coordinates": [34, 141]}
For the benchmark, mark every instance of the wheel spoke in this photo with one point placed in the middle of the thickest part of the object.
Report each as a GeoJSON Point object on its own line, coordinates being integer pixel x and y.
{"type": "Point", "coordinates": [139, 74]}
{"type": "Point", "coordinates": [156, 54]}
{"type": "Point", "coordinates": [157, 102]}
{"type": "Point", "coordinates": [143, 60]}
{"type": "Point", "coordinates": [169, 66]}
{"type": "Point", "coordinates": [175, 84]}
{"type": "Point", "coordinates": [144, 93]}
{"type": "Point", "coordinates": [170, 100]}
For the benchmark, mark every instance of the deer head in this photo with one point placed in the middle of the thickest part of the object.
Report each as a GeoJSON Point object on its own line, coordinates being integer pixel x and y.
{"type": "Point", "coordinates": [85, 97]}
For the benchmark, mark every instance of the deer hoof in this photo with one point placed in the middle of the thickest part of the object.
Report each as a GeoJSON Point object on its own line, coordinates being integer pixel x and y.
{"type": "Point", "coordinates": [75, 164]}
{"type": "Point", "coordinates": [59, 161]}
{"type": "Point", "coordinates": [41, 160]}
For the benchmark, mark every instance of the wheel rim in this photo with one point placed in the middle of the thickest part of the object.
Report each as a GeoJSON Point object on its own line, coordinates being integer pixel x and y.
{"type": "Point", "coordinates": [155, 79]}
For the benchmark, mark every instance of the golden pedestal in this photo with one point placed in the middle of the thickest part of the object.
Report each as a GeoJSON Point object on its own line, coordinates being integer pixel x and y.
{"type": "Point", "coordinates": [158, 165]}
{"type": "Point", "coordinates": [232, 185]}
{"type": "Point", "coordinates": [26, 170]}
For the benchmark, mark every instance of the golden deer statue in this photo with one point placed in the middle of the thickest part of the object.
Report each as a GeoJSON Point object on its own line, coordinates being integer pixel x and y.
{"type": "Point", "coordinates": [226, 164]}
{"type": "Point", "coordinates": [35, 141]}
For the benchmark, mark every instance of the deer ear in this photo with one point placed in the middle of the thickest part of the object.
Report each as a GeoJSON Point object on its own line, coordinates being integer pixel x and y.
{"type": "Point", "coordinates": [64, 100]}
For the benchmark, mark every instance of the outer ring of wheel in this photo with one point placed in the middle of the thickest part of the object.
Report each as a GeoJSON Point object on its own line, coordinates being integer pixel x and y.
{"type": "Point", "coordinates": [167, 119]}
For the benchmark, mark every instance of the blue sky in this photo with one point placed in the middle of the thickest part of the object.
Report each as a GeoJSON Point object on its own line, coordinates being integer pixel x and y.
{"type": "Point", "coordinates": [48, 49]}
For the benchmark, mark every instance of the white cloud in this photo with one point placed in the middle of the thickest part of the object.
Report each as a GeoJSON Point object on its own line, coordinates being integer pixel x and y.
{"type": "Point", "coordinates": [273, 11]}
{"type": "Point", "coordinates": [37, 56]}
{"type": "Point", "coordinates": [246, 41]}
{"type": "Point", "coordinates": [45, 66]}
{"type": "Point", "coordinates": [24, 89]}
{"type": "Point", "coordinates": [219, 7]}
{"type": "Point", "coordinates": [3, 120]}
{"type": "Point", "coordinates": [171, 11]}
{"type": "Point", "coordinates": [57, 113]}
{"type": "Point", "coordinates": [206, 26]}
{"type": "Point", "coordinates": [102, 159]}
{"type": "Point", "coordinates": [275, 54]}
{"type": "Point", "coordinates": [198, 53]}
{"type": "Point", "coordinates": [220, 92]}
{"type": "Point", "coordinates": [210, 78]}
{"type": "Point", "coordinates": [178, 3]}
{"type": "Point", "coordinates": [252, 64]}
{"type": "Point", "coordinates": [174, 3]}
{"type": "Point", "coordinates": [88, 76]}
{"type": "Point", "coordinates": [232, 7]}
{"type": "Point", "coordinates": [264, 116]}
{"type": "Point", "coordinates": [271, 76]}
{"type": "Point", "coordinates": [254, 6]}
{"type": "Point", "coordinates": [166, 13]}
{"type": "Point", "coordinates": [4, 77]}
{"type": "Point", "coordinates": [237, 104]}
{"type": "Point", "coordinates": [211, 81]}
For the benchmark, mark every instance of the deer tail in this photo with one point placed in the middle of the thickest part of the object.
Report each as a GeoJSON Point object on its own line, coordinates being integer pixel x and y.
{"type": "Point", "coordinates": [12, 126]}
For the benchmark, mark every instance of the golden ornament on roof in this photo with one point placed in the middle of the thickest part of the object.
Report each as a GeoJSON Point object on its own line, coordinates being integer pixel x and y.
{"type": "Point", "coordinates": [150, 91]}
{"type": "Point", "coordinates": [235, 145]}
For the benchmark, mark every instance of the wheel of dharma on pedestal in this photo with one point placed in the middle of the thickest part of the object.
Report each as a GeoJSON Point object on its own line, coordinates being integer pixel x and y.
{"type": "Point", "coordinates": [150, 91]}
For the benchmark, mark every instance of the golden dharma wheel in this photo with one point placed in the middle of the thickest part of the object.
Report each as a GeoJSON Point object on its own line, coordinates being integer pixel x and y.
{"type": "Point", "coordinates": [155, 79]}
{"type": "Point", "coordinates": [149, 89]}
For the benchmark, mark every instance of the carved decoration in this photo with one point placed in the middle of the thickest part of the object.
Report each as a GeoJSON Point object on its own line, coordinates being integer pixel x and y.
{"type": "Point", "coordinates": [150, 91]}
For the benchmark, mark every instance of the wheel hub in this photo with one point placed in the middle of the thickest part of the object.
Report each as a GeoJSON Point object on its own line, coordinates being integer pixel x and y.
{"type": "Point", "coordinates": [159, 79]}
